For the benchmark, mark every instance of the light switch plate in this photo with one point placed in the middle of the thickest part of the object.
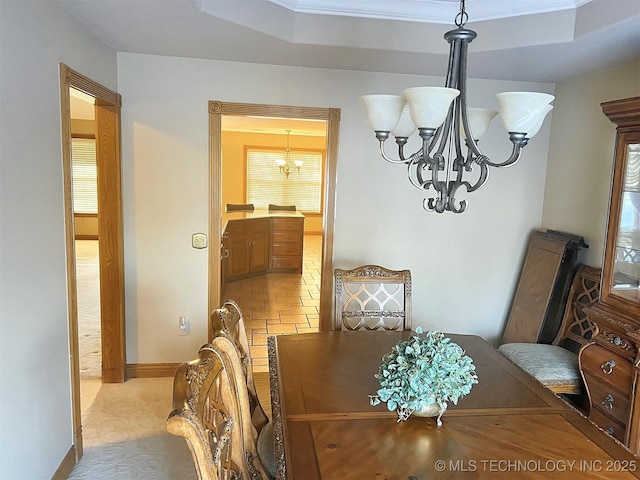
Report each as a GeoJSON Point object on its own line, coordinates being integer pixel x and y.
{"type": "Point", "coordinates": [199, 240]}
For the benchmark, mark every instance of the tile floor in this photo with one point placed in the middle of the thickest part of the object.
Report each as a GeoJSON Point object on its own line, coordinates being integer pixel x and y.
{"type": "Point", "coordinates": [280, 303]}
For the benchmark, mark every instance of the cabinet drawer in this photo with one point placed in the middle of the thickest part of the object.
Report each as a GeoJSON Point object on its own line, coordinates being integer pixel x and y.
{"type": "Point", "coordinates": [286, 237]}
{"type": "Point", "coordinates": [617, 343]}
{"type": "Point", "coordinates": [286, 262]}
{"type": "Point", "coordinates": [607, 399]}
{"type": "Point", "coordinates": [608, 366]}
{"type": "Point", "coordinates": [285, 224]}
{"type": "Point", "coordinates": [238, 228]}
{"type": "Point", "coordinates": [608, 424]}
{"type": "Point", "coordinates": [287, 249]}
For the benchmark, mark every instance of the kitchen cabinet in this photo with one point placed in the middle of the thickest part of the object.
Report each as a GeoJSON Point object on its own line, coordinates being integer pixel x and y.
{"type": "Point", "coordinates": [260, 242]}
{"type": "Point", "coordinates": [286, 244]}
{"type": "Point", "coordinates": [248, 245]}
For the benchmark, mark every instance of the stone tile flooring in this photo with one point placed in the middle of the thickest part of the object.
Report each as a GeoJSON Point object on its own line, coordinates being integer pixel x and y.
{"type": "Point", "coordinates": [280, 303]}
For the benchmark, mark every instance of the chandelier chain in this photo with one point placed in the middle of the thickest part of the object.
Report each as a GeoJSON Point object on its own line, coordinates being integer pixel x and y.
{"type": "Point", "coordinates": [462, 17]}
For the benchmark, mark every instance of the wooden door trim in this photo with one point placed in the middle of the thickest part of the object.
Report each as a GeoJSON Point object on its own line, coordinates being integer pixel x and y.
{"type": "Point", "coordinates": [332, 116]}
{"type": "Point", "coordinates": [70, 78]}
{"type": "Point", "coordinates": [111, 244]}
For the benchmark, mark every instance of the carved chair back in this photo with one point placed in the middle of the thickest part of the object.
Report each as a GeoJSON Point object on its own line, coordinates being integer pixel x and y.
{"type": "Point", "coordinates": [227, 321]}
{"type": "Point", "coordinates": [371, 297]}
{"type": "Point", "coordinates": [211, 411]}
{"type": "Point", "coordinates": [576, 328]}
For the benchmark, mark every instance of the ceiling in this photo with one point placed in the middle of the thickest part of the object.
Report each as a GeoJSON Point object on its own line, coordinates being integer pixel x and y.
{"type": "Point", "coordinates": [522, 40]}
{"type": "Point", "coordinates": [273, 125]}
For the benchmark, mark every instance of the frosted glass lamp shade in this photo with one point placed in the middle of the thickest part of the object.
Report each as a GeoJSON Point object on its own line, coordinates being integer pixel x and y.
{"type": "Point", "coordinates": [429, 105]}
{"type": "Point", "coordinates": [383, 111]}
{"type": "Point", "coordinates": [479, 120]}
{"type": "Point", "coordinates": [298, 163]}
{"type": "Point", "coordinates": [523, 112]}
{"type": "Point", "coordinates": [405, 126]}
{"type": "Point", "coordinates": [536, 128]}
{"type": "Point", "coordinates": [281, 163]}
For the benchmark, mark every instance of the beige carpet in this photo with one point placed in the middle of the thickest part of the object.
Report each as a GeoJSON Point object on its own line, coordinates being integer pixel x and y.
{"type": "Point", "coordinates": [124, 435]}
{"type": "Point", "coordinates": [88, 288]}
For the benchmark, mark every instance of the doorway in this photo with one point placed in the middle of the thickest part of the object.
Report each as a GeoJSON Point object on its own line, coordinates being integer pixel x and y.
{"type": "Point", "coordinates": [332, 118]}
{"type": "Point", "coordinates": [84, 183]}
{"type": "Point", "coordinates": [106, 106]}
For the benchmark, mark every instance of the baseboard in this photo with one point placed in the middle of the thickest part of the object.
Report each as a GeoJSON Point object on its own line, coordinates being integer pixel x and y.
{"type": "Point", "coordinates": [151, 370]}
{"type": "Point", "coordinates": [65, 468]}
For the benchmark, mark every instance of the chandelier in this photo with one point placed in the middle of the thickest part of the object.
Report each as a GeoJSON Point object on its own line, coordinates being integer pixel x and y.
{"type": "Point", "coordinates": [444, 123]}
{"type": "Point", "coordinates": [287, 165]}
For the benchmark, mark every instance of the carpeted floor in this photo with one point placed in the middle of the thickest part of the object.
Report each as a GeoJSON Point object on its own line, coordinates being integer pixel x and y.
{"type": "Point", "coordinates": [124, 435]}
{"type": "Point", "coordinates": [88, 288]}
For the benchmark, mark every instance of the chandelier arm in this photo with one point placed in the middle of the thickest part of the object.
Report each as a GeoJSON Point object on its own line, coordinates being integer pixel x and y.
{"type": "Point", "coordinates": [435, 139]}
{"type": "Point", "coordinates": [451, 205]}
{"type": "Point", "coordinates": [423, 160]}
{"type": "Point", "coordinates": [482, 179]}
{"type": "Point", "coordinates": [416, 177]}
{"type": "Point", "coordinates": [438, 204]}
{"type": "Point", "coordinates": [451, 82]}
{"type": "Point", "coordinates": [513, 158]}
{"type": "Point", "coordinates": [459, 105]}
{"type": "Point", "coordinates": [470, 141]}
{"type": "Point", "coordinates": [444, 134]}
{"type": "Point", "coordinates": [414, 157]}
{"type": "Point", "coordinates": [450, 78]}
{"type": "Point", "coordinates": [468, 164]}
{"type": "Point", "coordinates": [389, 159]}
{"type": "Point", "coordinates": [460, 102]}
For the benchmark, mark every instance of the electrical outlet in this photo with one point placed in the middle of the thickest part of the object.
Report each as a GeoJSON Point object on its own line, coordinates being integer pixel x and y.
{"type": "Point", "coordinates": [183, 325]}
{"type": "Point", "coordinates": [428, 325]}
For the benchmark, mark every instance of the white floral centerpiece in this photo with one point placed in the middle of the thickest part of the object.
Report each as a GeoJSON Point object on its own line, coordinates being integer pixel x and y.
{"type": "Point", "coordinates": [424, 373]}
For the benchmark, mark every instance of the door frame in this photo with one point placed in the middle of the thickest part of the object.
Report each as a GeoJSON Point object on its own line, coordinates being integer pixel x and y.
{"type": "Point", "coordinates": [332, 116]}
{"type": "Point", "coordinates": [110, 235]}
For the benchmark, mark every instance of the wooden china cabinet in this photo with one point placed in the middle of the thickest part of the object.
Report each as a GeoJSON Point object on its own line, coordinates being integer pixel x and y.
{"type": "Point", "coordinates": [610, 363]}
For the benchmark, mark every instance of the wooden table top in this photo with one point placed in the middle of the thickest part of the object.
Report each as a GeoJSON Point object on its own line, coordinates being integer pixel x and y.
{"type": "Point", "coordinates": [508, 427]}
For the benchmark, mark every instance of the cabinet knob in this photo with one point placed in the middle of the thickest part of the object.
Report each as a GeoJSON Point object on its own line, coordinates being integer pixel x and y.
{"type": "Point", "coordinates": [607, 367]}
{"type": "Point", "coordinates": [610, 431]}
{"type": "Point", "coordinates": [607, 403]}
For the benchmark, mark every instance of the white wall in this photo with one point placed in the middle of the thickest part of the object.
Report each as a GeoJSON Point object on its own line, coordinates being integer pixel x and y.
{"type": "Point", "coordinates": [581, 155]}
{"type": "Point", "coordinates": [464, 266]}
{"type": "Point", "coordinates": [35, 399]}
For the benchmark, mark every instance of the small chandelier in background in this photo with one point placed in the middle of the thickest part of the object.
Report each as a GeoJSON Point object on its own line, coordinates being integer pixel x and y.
{"type": "Point", "coordinates": [443, 120]}
{"type": "Point", "coordinates": [287, 165]}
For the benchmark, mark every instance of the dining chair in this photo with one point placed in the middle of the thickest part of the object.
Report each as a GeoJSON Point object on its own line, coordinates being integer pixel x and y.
{"type": "Point", "coordinates": [371, 297]}
{"type": "Point", "coordinates": [211, 412]}
{"type": "Point", "coordinates": [282, 208]}
{"type": "Point", "coordinates": [555, 365]}
{"type": "Point", "coordinates": [240, 207]}
{"type": "Point", "coordinates": [228, 321]}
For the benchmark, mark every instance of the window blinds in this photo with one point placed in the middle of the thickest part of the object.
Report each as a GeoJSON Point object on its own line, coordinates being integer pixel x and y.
{"type": "Point", "coordinates": [266, 184]}
{"type": "Point", "coordinates": [84, 175]}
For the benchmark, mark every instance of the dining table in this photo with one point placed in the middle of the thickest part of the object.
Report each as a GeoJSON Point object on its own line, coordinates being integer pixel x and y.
{"type": "Point", "coordinates": [508, 427]}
